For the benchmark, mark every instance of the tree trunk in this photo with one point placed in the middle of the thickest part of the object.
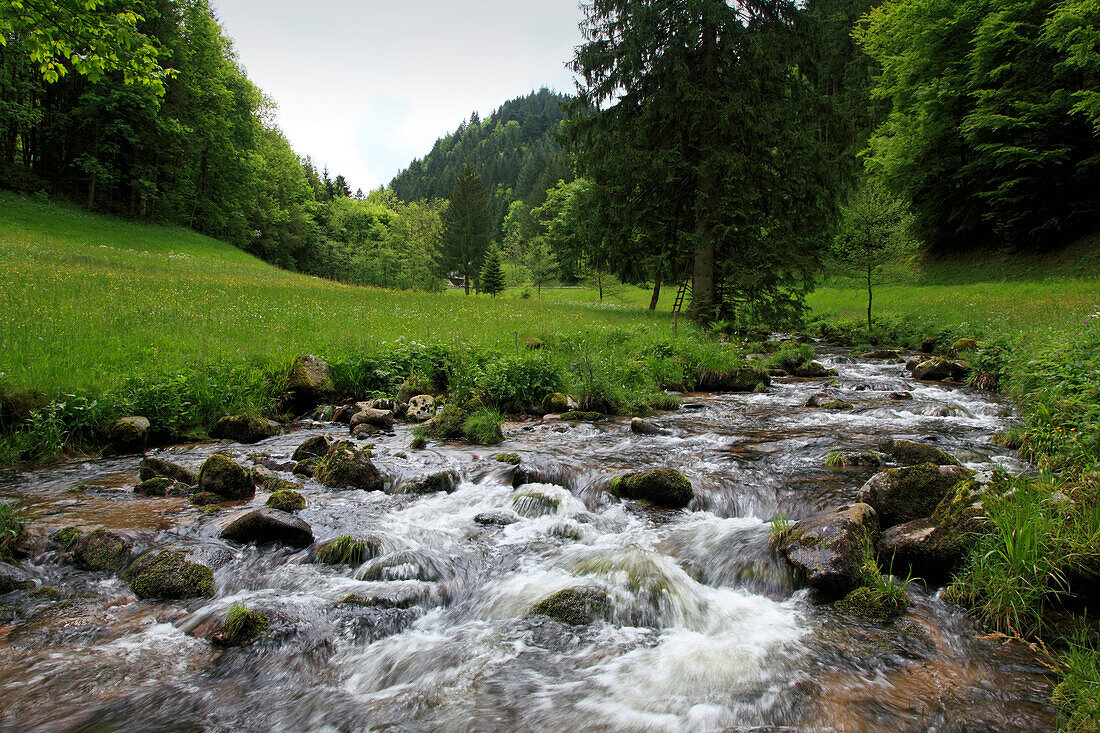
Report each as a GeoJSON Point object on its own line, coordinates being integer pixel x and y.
{"type": "Point", "coordinates": [466, 280]}
{"type": "Point", "coordinates": [702, 291]}
{"type": "Point", "coordinates": [656, 292]}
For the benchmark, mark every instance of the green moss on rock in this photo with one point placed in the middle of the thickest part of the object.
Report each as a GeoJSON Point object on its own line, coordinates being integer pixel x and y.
{"type": "Point", "coordinates": [241, 627]}
{"type": "Point", "coordinates": [345, 550]}
{"type": "Point", "coordinates": [509, 458]}
{"type": "Point", "coordinates": [555, 403]}
{"type": "Point", "coordinates": [152, 467]}
{"type": "Point", "coordinates": [286, 500]}
{"type": "Point", "coordinates": [315, 448]}
{"type": "Point", "coordinates": [875, 603]}
{"type": "Point", "coordinates": [222, 476]}
{"type": "Point", "coordinates": [167, 574]}
{"type": "Point", "coordinates": [662, 487]}
{"type": "Point", "coordinates": [582, 416]}
{"type": "Point", "coordinates": [912, 453]}
{"type": "Point", "coordinates": [162, 486]}
{"type": "Point", "coordinates": [346, 467]}
{"type": "Point", "coordinates": [578, 606]}
{"type": "Point", "coordinates": [67, 537]}
{"type": "Point", "coordinates": [102, 551]}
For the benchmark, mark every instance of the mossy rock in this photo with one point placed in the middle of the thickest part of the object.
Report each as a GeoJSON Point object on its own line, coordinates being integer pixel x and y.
{"type": "Point", "coordinates": [346, 550]}
{"type": "Point", "coordinates": [512, 459]}
{"type": "Point", "coordinates": [222, 476]}
{"type": "Point", "coordinates": [168, 574]}
{"type": "Point", "coordinates": [211, 509]}
{"type": "Point", "coordinates": [555, 403]}
{"type": "Point", "coordinates": [275, 484]}
{"type": "Point", "coordinates": [578, 606]}
{"type": "Point", "coordinates": [241, 628]}
{"type": "Point", "coordinates": [152, 467]}
{"type": "Point", "coordinates": [245, 428]}
{"type": "Point", "coordinates": [901, 495]}
{"type": "Point", "coordinates": [162, 486]}
{"type": "Point", "coordinates": [964, 344]}
{"type": "Point", "coordinates": [102, 551]}
{"type": "Point", "coordinates": [838, 406]}
{"type": "Point", "coordinates": [442, 481]}
{"type": "Point", "coordinates": [309, 382]}
{"type": "Point", "coordinates": [854, 459]}
{"type": "Point", "coordinates": [306, 468]}
{"type": "Point", "coordinates": [415, 385]}
{"type": "Point", "coordinates": [286, 501]}
{"type": "Point", "coordinates": [535, 502]}
{"type": "Point", "coordinates": [662, 487]}
{"type": "Point", "coordinates": [346, 467]}
{"type": "Point", "coordinates": [66, 538]}
{"type": "Point", "coordinates": [205, 498]}
{"type": "Point", "coordinates": [129, 434]}
{"type": "Point", "coordinates": [828, 548]}
{"type": "Point", "coordinates": [12, 579]}
{"type": "Point", "coordinates": [315, 448]}
{"type": "Point", "coordinates": [874, 603]}
{"type": "Point", "coordinates": [745, 378]}
{"type": "Point", "coordinates": [583, 416]}
{"type": "Point", "coordinates": [912, 453]}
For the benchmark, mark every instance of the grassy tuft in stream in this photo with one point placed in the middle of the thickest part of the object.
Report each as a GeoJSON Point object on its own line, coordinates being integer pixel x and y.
{"type": "Point", "coordinates": [13, 528]}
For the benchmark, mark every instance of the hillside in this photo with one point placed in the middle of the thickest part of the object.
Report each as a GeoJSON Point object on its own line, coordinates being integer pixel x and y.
{"type": "Point", "coordinates": [514, 150]}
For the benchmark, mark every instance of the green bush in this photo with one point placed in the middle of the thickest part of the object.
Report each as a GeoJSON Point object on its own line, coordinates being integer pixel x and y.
{"type": "Point", "coordinates": [13, 528]}
{"type": "Point", "coordinates": [520, 382]}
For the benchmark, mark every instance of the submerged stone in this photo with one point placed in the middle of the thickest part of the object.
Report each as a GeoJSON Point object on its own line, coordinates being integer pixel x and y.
{"type": "Point", "coordinates": [662, 486]}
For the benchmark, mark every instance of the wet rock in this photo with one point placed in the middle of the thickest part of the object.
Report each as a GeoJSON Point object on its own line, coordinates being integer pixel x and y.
{"type": "Point", "coordinates": [643, 427]}
{"type": "Point", "coordinates": [152, 467]}
{"type": "Point", "coordinates": [442, 481]}
{"type": "Point", "coordinates": [578, 606]}
{"type": "Point", "coordinates": [12, 578]}
{"type": "Point", "coordinates": [912, 453]}
{"type": "Point", "coordinates": [129, 434]}
{"type": "Point", "coordinates": [395, 598]}
{"type": "Point", "coordinates": [811, 370]}
{"type": "Point", "coordinates": [346, 467]}
{"type": "Point", "coordinates": [881, 354]}
{"type": "Point", "coordinates": [305, 468]}
{"type": "Point", "coordinates": [271, 482]}
{"type": "Point", "coordinates": [914, 362]}
{"type": "Point", "coordinates": [65, 538]}
{"type": "Point", "coordinates": [383, 403]}
{"type": "Point", "coordinates": [854, 459]}
{"type": "Point", "coordinates": [421, 408]}
{"type": "Point", "coordinates": [583, 416]}
{"type": "Point", "coordinates": [364, 431]}
{"type": "Point", "coordinates": [555, 403]}
{"type": "Point", "coordinates": [163, 486]}
{"type": "Point", "coordinates": [102, 551]}
{"type": "Point", "coordinates": [347, 550]}
{"type": "Point", "coordinates": [205, 498]}
{"type": "Point", "coordinates": [286, 501]}
{"type": "Point", "coordinates": [874, 603]}
{"type": "Point", "coordinates": [245, 428]}
{"type": "Point", "coordinates": [535, 501]}
{"type": "Point", "coordinates": [495, 519]}
{"type": "Point", "coordinates": [241, 628]}
{"type": "Point", "coordinates": [662, 486]}
{"type": "Point", "coordinates": [901, 396]}
{"type": "Point", "coordinates": [938, 370]}
{"type": "Point", "coordinates": [324, 413]}
{"type": "Point", "coordinates": [819, 400]}
{"type": "Point", "coordinates": [838, 406]}
{"type": "Point", "coordinates": [381, 419]}
{"type": "Point", "coordinates": [828, 547]}
{"type": "Point", "coordinates": [221, 475]}
{"type": "Point", "coordinates": [901, 495]}
{"type": "Point", "coordinates": [934, 547]}
{"type": "Point", "coordinates": [269, 525]}
{"type": "Point", "coordinates": [405, 565]}
{"type": "Point", "coordinates": [511, 459]}
{"type": "Point", "coordinates": [167, 574]}
{"type": "Point", "coordinates": [309, 382]}
{"type": "Point", "coordinates": [315, 447]}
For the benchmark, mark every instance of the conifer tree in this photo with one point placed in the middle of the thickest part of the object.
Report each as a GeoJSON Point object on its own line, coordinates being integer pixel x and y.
{"type": "Point", "coordinates": [466, 224]}
{"type": "Point", "coordinates": [492, 276]}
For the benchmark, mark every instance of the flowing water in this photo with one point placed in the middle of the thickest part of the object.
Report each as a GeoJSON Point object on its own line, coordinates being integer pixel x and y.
{"type": "Point", "coordinates": [710, 631]}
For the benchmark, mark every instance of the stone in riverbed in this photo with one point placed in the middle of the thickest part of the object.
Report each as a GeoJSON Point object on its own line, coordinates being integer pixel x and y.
{"type": "Point", "coordinates": [167, 574]}
{"type": "Point", "coordinates": [938, 370]}
{"type": "Point", "coordinates": [309, 382]}
{"type": "Point", "coordinates": [901, 495]}
{"type": "Point", "coordinates": [579, 606]}
{"type": "Point", "coordinates": [102, 551]}
{"type": "Point", "coordinates": [443, 481]}
{"type": "Point", "coordinates": [828, 547]}
{"type": "Point", "coordinates": [129, 434]}
{"type": "Point", "coordinates": [12, 578]}
{"type": "Point", "coordinates": [163, 486]}
{"type": "Point", "coordinates": [497, 519]}
{"type": "Point", "coordinates": [245, 428]}
{"type": "Point", "coordinates": [420, 409]}
{"type": "Point", "coordinates": [555, 403]}
{"type": "Point", "coordinates": [881, 354]}
{"type": "Point", "coordinates": [643, 427]}
{"type": "Point", "coordinates": [286, 500]}
{"type": "Point", "coordinates": [222, 476]}
{"type": "Point", "coordinates": [662, 487]}
{"type": "Point", "coordinates": [316, 448]}
{"type": "Point", "coordinates": [269, 525]}
{"type": "Point", "coordinates": [346, 467]}
{"type": "Point", "coordinates": [381, 419]}
{"type": "Point", "coordinates": [912, 453]}
{"type": "Point", "coordinates": [152, 467]}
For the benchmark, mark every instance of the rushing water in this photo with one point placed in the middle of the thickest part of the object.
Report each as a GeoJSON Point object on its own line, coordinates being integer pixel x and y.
{"type": "Point", "coordinates": [709, 630]}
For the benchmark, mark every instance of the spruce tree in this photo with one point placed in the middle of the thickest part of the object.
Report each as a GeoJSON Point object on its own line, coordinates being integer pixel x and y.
{"type": "Point", "coordinates": [492, 276]}
{"type": "Point", "coordinates": [466, 224]}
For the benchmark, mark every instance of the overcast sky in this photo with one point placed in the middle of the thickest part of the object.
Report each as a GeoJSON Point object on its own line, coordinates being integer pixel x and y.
{"type": "Point", "coordinates": [365, 86]}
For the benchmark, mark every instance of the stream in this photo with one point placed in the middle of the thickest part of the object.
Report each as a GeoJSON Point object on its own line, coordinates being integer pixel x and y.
{"type": "Point", "coordinates": [710, 630]}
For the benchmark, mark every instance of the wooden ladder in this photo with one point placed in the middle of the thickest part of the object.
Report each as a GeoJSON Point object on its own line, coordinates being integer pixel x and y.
{"type": "Point", "coordinates": [681, 293]}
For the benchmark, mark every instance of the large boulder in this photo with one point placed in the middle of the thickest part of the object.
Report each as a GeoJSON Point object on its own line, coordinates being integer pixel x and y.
{"type": "Point", "coordinates": [245, 428]}
{"type": "Point", "coordinates": [442, 481]}
{"type": "Point", "coordinates": [579, 606]}
{"type": "Point", "coordinates": [555, 403]}
{"type": "Point", "coordinates": [662, 487]}
{"type": "Point", "coordinates": [912, 453]}
{"type": "Point", "coordinates": [346, 467]}
{"type": "Point", "coordinates": [102, 551]}
{"type": "Point", "coordinates": [828, 548]}
{"type": "Point", "coordinates": [938, 370]}
{"type": "Point", "coordinates": [901, 495]}
{"type": "Point", "coordinates": [168, 574]}
{"type": "Point", "coordinates": [934, 547]}
{"type": "Point", "coordinates": [129, 434]}
{"type": "Point", "coordinates": [152, 467]}
{"type": "Point", "coordinates": [421, 408]}
{"type": "Point", "coordinates": [315, 448]}
{"type": "Point", "coordinates": [309, 382]}
{"type": "Point", "coordinates": [221, 475]}
{"type": "Point", "coordinates": [811, 370]}
{"type": "Point", "coordinates": [269, 525]}
{"type": "Point", "coordinates": [381, 419]}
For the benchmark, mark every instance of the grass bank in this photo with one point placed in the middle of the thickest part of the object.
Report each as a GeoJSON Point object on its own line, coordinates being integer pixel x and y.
{"type": "Point", "coordinates": [1036, 573]}
{"type": "Point", "coordinates": [102, 317]}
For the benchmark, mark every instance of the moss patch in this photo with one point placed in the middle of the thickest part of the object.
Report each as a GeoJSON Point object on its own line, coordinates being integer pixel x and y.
{"type": "Point", "coordinates": [286, 501]}
{"type": "Point", "coordinates": [662, 486]}
{"type": "Point", "coordinates": [575, 606]}
{"type": "Point", "coordinates": [167, 574]}
{"type": "Point", "coordinates": [241, 627]}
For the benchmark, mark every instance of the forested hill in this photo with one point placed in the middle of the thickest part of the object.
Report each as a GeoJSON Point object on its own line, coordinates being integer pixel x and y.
{"type": "Point", "coordinates": [514, 150]}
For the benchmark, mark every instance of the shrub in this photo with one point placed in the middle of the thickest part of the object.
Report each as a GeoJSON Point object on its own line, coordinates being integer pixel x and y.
{"type": "Point", "coordinates": [13, 528]}
{"type": "Point", "coordinates": [520, 382]}
{"type": "Point", "coordinates": [483, 427]}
